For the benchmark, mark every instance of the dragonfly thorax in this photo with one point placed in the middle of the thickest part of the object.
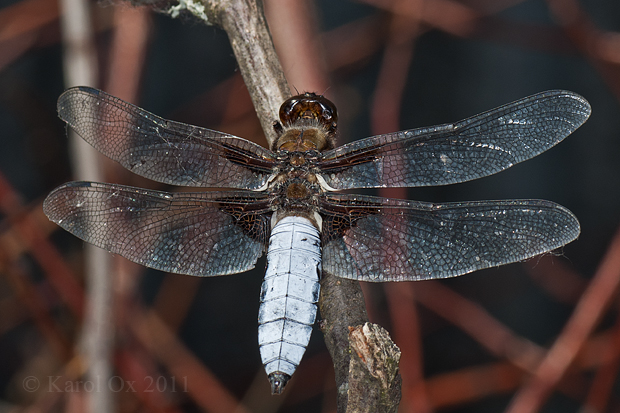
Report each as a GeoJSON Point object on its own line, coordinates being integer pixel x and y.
{"type": "Point", "coordinates": [295, 191]}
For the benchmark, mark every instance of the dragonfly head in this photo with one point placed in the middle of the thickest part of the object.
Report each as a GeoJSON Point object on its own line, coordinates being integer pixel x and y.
{"type": "Point", "coordinates": [309, 106]}
{"type": "Point", "coordinates": [307, 122]}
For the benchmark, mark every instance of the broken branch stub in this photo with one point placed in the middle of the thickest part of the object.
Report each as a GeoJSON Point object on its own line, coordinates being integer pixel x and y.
{"type": "Point", "coordinates": [374, 378]}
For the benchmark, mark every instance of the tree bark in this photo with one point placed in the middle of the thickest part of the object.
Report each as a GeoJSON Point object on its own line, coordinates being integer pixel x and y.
{"type": "Point", "coordinates": [342, 306]}
{"type": "Point", "coordinates": [374, 380]}
{"type": "Point", "coordinates": [365, 358]}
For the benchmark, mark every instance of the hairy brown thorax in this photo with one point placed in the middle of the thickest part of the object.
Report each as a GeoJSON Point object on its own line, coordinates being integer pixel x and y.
{"type": "Point", "coordinates": [306, 128]}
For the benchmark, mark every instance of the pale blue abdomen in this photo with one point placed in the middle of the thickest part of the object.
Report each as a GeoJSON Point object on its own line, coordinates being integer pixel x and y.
{"type": "Point", "coordinates": [288, 297]}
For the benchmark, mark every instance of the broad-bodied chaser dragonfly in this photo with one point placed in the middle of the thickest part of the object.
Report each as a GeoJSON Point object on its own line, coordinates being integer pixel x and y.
{"type": "Point", "coordinates": [284, 201]}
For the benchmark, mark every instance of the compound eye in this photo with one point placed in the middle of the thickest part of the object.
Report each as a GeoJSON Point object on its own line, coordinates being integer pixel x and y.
{"type": "Point", "coordinates": [327, 113]}
{"type": "Point", "coordinates": [288, 110]}
{"type": "Point", "coordinates": [308, 106]}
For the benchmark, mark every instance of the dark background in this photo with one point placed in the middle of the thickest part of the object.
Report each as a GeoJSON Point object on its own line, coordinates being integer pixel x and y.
{"type": "Point", "coordinates": [519, 51]}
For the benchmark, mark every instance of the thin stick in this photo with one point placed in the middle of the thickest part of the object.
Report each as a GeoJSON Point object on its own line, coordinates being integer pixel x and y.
{"type": "Point", "coordinates": [80, 68]}
{"type": "Point", "coordinates": [244, 22]}
{"type": "Point", "coordinates": [597, 297]}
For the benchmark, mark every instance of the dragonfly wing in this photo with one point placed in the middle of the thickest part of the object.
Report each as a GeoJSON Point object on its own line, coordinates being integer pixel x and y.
{"type": "Point", "coordinates": [479, 146]}
{"type": "Point", "coordinates": [202, 234]}
{"type": "Point", "coordinates": [379, 239]}
{"type": "Point", "coordinates": [162, 150]}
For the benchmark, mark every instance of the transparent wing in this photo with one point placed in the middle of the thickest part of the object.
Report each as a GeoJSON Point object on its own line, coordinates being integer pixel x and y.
{"type": "Point", "coordinates": [379, 239]}
{"type": "Point", "coordinates": [479, 146]}
{"type": "Point", "coordinates": [203, 234]}
{"type": "Point", "coordinates": [162, 150]}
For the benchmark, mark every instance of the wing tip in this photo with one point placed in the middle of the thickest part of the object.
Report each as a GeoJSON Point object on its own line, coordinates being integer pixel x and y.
{"type": "Point", "coordinates": [64, 102]}
{"type": "Point", "coordinates": [585, 109]}
{"type": "Point", "coordinates": [78, 90]}
{"type": "Point", "coordinates": [53, 198]}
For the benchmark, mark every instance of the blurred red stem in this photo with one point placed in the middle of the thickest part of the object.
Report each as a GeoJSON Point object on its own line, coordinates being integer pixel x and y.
{"type": "Point", "coordinates": [595, 300]}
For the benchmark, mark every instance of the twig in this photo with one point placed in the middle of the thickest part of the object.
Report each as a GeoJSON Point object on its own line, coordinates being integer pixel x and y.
{"type": "Point", "coordinates": [80, 68]}
{"type": "Point", "coordinates": [127, 53]}
{"type": "Point", "coordinates": [557, 278]}
{"type": "Point", "coordinates": [43, 251]}
{"type": "Point", "coordinates": [244, 22]}
{"type": "Point", "coordinates": [589, 310]}
{"type": "Point", "coordinates": [406, 332]}
{"type": "Point", "coordinates": [474, 320]}
{"type": "Point", "coordinates": [590, 41]}
{"type": "Point", "coordinates": [341, 302]}
{"type": "Point", "coordinates": [297, 41]}
{"type": "Point", "coordinates": [385, 114]}
{"type": "Point", "coordinates": [602, 386]}
{"type": "Point", "coordinates": [374, 380]}
{"type": "Point", "coordinates": [342, 306]}
{"type": "Point", "coordinates": [32, 300]}
{"type": "Point", "coordinates": [200, 383]}
{"type": "Point", "coordinates": [20, 18]}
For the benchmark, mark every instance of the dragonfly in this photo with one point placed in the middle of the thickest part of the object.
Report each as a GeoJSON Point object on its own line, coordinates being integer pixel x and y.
{"type": "Point", "coordinates": [285, 201]}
